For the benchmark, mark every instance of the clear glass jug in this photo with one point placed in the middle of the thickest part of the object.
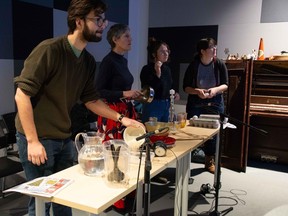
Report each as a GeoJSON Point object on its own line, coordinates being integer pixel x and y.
{"type": "Point", "coordinates": [91, 153]}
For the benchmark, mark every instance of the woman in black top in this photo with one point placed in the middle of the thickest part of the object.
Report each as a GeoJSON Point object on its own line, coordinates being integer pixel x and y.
{"type": "Point", "coordinates": [114, 81]}
{"type": "Point", "coordinates": [205, 80]}
{"type": "Point", "coordinates": [157, 75]}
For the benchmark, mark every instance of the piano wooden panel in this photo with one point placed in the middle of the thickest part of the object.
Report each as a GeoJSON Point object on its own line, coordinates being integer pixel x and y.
{"type": "Point", "coordinates": [258, 97]}
{"type": "Point", "coordinates": [269, 106]}
{"type": "Point", "coordinates": [269, 111]}
{"type": "Point", "coordinates": [234, 141]}
{"type": "Point", "coordinates": [274, 146]}
{"type": "Point", "coordinates": [270, 78]}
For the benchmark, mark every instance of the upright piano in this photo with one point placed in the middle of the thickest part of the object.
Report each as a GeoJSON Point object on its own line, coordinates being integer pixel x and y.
{"type": "Point", "coordinates": [257, 96]}
{"type": "Point", "coordinates": [269, 111]}
{"type": "Point", "coordinates": [269, 94]}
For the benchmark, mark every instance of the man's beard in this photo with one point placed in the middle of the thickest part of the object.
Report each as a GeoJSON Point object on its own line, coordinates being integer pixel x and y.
{"type": "Point", "coordinates": [89, 36]}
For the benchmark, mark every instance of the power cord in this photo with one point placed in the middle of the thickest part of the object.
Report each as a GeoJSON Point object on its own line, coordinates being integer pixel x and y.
{"type": "Point", "coordinates": [207, 190]}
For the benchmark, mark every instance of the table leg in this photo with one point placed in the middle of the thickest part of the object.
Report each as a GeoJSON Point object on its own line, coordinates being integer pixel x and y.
{"type": "Point", "coordinates": [39, 206]}
{"type": "Point", "coordinates": [186, 175]}
{"type": "Point", "coordinates": [139, 199]}
{"type": "Point", "coordinates": [178, 188]}
{"type": "Point", "coordinates": [181, 186]}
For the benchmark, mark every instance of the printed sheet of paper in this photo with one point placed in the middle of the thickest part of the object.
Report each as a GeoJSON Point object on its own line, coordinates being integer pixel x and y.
{"type": "Point", "coordinates": [44, 186]}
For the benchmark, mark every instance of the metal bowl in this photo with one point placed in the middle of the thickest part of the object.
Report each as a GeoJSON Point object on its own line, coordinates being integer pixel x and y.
{"type": "Point", "coordinates": [146, 96]}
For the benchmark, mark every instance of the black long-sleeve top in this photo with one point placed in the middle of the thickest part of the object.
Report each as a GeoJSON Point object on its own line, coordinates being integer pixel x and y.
{"type": "Point", "coordinates": [160, 85]}
{"type": "Point", "coordinates": [114, 77]}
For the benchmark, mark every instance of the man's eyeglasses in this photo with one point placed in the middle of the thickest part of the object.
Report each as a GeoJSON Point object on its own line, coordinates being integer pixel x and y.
{"type": "Point", "coordinates": [99, 21]}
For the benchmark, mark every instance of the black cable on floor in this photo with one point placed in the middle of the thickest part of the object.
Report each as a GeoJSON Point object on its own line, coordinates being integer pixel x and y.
{"type": "Point", "coordinates": [235, 197]}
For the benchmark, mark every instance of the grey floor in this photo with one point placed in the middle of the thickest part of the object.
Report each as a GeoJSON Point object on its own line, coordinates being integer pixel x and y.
{"type": "Point", "coordinates": [260, 191]}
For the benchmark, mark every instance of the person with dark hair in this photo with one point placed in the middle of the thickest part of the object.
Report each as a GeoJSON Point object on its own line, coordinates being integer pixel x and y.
{"type": "Point", "coordinates": [205, 80]}
{"type": "Point", "coordinates": [114, 81]}
{"type": "Point", "coordinates": [157, 75]}
{"type": "Point", "coordinates": [57, 74]}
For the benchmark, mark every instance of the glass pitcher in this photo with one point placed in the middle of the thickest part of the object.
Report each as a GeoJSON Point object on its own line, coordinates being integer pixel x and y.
{"type": "Point", "coordinates": [91, 153]}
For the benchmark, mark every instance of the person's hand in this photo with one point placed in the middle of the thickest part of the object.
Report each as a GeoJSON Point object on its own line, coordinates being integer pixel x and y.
{"type": "Point", "coordinates": [202, 93]}
{"type": "Point", "coordinates": [36, 153]}
{"type": "Point", "coordinates": [212, 92]}
{"type": "Point", "coordinates": [132, 123]}
{"type": "Point", "coordinates": [131, 93]}
{"type": "Point", "coordinates": [177, 96]}
{"type": "Point", "coordinates": [157, 67]}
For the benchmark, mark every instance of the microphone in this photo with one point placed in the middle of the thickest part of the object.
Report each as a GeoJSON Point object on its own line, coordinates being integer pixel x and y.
{"type": "Point", "coordinates": [152, 133]}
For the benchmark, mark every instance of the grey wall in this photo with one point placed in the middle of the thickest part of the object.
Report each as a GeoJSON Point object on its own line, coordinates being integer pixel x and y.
{"type": "Point", "coordinates": [240, 26]}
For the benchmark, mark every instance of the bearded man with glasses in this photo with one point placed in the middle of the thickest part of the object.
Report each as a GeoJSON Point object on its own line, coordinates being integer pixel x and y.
{"type": "Point", "coordinates": [58, 73]}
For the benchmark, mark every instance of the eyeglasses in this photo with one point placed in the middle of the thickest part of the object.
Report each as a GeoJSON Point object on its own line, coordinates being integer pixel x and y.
{"type": "Point", "coordinates": [99, 21]}
{"type": "Point", "coordinates": [163, 52]}
{"type": "Point", "coordinates": [212, 47]}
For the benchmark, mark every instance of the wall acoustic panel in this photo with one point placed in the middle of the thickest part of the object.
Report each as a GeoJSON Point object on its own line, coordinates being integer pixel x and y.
{"type": "Point", "coordinates": [61, 5]}
{"type": "Point", "coordinates": [6, 42]}
{"type": "Point", "coordinates": [6, 86]}
{"type": "Point", "coordinates": [274, 11]}
{"type": "Point", "coordinates": [118, 11]}
{"type": "Point", "coordinates": [31, 24]}
{"type": "Point", "coordinates": [44, 3]}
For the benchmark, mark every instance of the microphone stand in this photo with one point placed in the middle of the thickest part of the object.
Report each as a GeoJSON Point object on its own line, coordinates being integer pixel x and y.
{"type": "Point", "coordinates": [147, 181]}
{"type": "Point", "coordinates": [217, 174]}
{"type": "Point", "coordinates": [217, 181]}
{"type": "Point", "coordinates": [148, 167]}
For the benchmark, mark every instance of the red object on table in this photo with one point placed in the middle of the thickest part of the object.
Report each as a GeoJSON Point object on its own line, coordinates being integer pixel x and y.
{"type": "Point", "coordinates": [169, 141]}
